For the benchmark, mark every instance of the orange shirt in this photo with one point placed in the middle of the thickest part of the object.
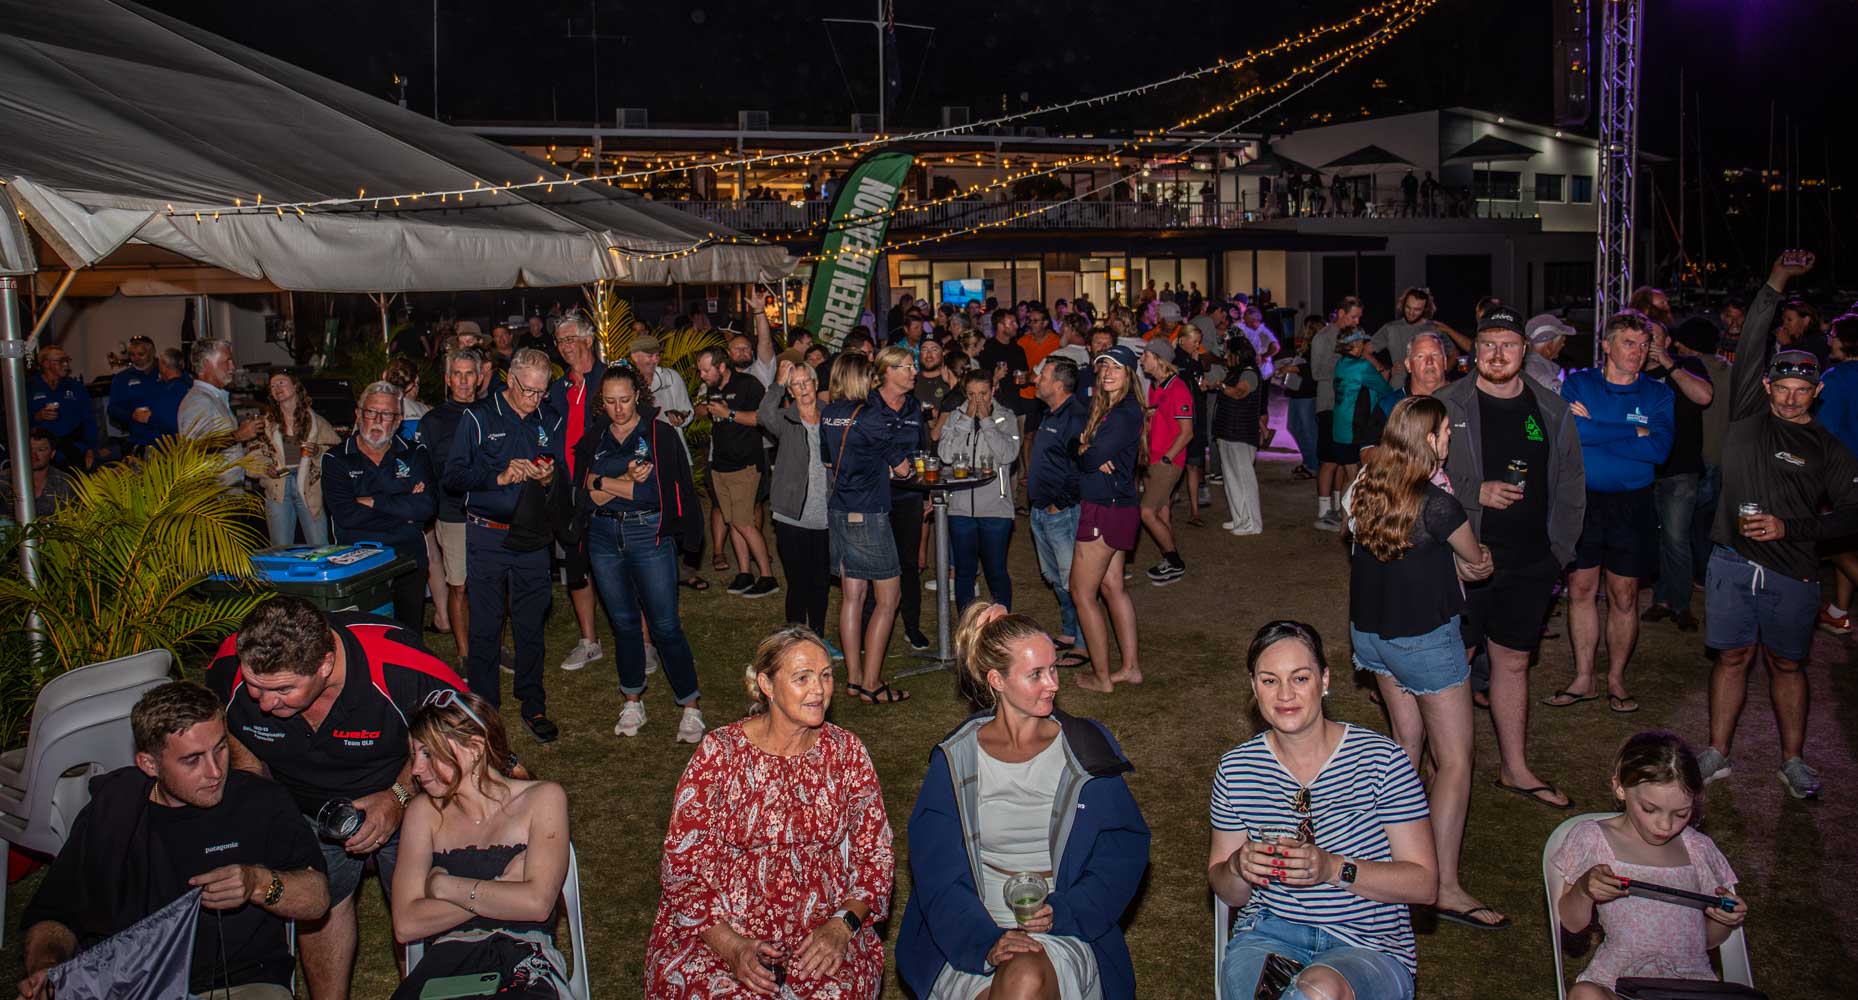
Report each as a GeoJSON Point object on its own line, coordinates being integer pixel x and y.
{"type": "Point", "coordinates": [1036, 350]}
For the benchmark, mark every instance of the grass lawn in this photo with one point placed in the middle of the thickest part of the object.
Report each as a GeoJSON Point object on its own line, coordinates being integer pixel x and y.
{"type": "Point", "coordinates": [1793, 857]}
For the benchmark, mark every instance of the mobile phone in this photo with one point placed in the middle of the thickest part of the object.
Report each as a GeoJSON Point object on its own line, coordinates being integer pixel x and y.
{"type": "Point", "coordinates": [477, 984]}
{"type": "Point", "coordinates": [1795, 258]}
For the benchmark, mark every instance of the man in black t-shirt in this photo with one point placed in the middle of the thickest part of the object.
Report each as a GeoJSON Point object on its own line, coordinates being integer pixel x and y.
{"type": "Point", "coordinates": [736, 461]}
{"type": "Point", "coordinates": [1516, 466]}
{"type": "Point", "coordinates": [1675, 487]}
{"type": "Point", "coordinates": [180, 818]}
{"type": "Point", "coordinates": [322, 703]}
{"type": "Point", "coordinates": [1004, 360]}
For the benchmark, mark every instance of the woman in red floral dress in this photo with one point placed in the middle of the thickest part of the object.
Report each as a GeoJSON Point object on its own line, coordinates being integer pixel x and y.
{"type": "Point", "coordinates": [778, 859]}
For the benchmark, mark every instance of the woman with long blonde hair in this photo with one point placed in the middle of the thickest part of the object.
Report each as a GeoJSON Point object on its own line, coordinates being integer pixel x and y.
{"type": "Point", "coordinates": [1412, 545]}
{"type": "Point", "coordinates": [1109, 520]}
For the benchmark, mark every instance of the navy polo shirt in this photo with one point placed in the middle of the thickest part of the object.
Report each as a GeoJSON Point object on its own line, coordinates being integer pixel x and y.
{"type": "Point", "coordinates": [1052, 475]}
{"type": "Point", "coordinates": [130, 390]}
{"type": "Point", "coordinates": [488, 438]}
{"type": "Point", "coordinates": [860, 443]}
{"type": "Point", "coordinates": [613, 459]}
{"type": "Point", "coordinates": [404, 493]}
{"type": "Point", "coordinates": [76, 421]}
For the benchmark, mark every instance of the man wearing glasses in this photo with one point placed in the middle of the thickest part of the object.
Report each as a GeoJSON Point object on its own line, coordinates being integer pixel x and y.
{"type": "Point", "coordinates": [321, 702]}
{"type": "Point", "coordinates": [1515, 464]}
{"type": "Point", "coordinates": [378, 487]}
{"type": "Point", "coordinates": [503, 457]}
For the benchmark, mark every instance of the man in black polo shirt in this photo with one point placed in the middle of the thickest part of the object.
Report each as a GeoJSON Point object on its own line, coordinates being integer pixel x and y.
{"type": "Point", "coordinates": [379, 488]}
{"type": "Point", "coordinates": [503, 457]}
{"type": "Point", "coordinates": [322, 703]}
{"type": "Point", "coordinates": [736, 460]}
{"type": "Point", "coordinates": [435, 435]}
{"type": "Point", "coordinates": [180, 818]}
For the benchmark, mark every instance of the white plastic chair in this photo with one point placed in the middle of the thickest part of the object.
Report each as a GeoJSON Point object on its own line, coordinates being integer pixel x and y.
{"type": "Point", "coordinates": [578, 986]}
{"type": "Point", "coordinates": [1222, 933]}
{"type": "Point", "coordinates": [80, 729]}
{"type": "Point", "coordinates": [1733, 952]}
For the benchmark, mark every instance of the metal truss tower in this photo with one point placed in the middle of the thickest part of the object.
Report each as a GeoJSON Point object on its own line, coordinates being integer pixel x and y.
{"type": "Point", "coordinates": [1620, 31]}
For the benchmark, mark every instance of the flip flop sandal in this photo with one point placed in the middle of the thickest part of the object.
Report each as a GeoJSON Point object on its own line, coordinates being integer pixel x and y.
{"type": "Point", "coordinates": [719, 565]}
{"type": "Point", "coordinates": [1571, 699]}
{"type": "Point", "coordinates": [1469, 918]}
{"type": "Point", "coordinates": [1072, 658]}
{"type": "Point", "coordinates": [884, 694]}
{"type": "Point", "coordinates": [695, 583]}
{"type": "Point", "coordinates": [1535, 794]}
{"type": "Point", "coordinates": [1624, 706]}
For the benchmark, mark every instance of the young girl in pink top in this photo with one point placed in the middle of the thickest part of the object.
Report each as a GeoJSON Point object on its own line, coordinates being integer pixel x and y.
{"type": "Point", "coordinates": [1657, 783]}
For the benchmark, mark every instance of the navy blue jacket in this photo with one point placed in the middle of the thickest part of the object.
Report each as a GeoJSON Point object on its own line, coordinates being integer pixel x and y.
{"type": "Point", "coordinates": [76, 419]}
{"type": "Point", "coordinates": [488, 438]}
{"type": "Point", "coordinates": [167, 405]}
{"type": "Point", "coordinates": [1052, 476]}
{"type": "Point", "coordinates": [402, 488]}
{"type": "Point", "coordinates": [131, 389]}
{"type": "Point", "coordinates": [435, 435]}
{"type": "Point", "coordinates": [860, 443]}
{"type": "Point", "coordinates": [1118, 440]}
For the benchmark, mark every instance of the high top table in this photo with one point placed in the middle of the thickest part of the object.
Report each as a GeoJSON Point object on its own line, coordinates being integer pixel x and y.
{"type": "Point", "coordinates": [943, 657]}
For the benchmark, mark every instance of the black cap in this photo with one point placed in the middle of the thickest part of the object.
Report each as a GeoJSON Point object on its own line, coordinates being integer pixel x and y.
{"type": "Point", "coordinates": [1502, 318]}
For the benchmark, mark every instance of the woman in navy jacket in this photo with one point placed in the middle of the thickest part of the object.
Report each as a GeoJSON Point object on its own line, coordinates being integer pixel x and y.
{"type": "Point", "coordinates": [1109, 519]}
{"type": "Point", "coordinates": [1053, 791]}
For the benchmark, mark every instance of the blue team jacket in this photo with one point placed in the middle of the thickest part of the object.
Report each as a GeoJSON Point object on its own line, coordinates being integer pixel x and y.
{"type": "Point", "coordinates": [75, 416]}
{"type": "Point", "coordinates": [131, 389]}
{"type": "Point", "coordinates": [1118, 440]}
{"type": "Point", "coordinates": [489, 435]}
{"type": "Point", "coordinates": [860, 443]}
{"type": "Point", "coordinates": [399, 515]}
{"type": "Point", "coordinates": [1617, 459]}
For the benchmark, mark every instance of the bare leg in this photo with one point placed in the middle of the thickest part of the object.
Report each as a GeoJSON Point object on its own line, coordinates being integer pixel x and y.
{"type": "Point", "coordinates": [889, 593]}
{"type": "Point", "coordinates": [461, 619]}
{"type": "Point", "coordinates": [1409, 727]}
{"type": "Point", "coordinates": [1583, 626]}
{"type": "Point", "coordinates": [1194, 475]}
{"type": "Point", "coordinates": [719, 534]}
{"type": "Point", "coordinates": [1160, 524]}
{"type": "Point", "coordinates": [327, 947]}
{"type": "Point", "coordinates": [435, 583]}
{"type": "Point", "coordinates": [1090, 564]}
{"type": "Point", "coordinates": [1847, 565]}
{"type": "Point", "coordinates": [1622, 630]}
{"type": "Point", "coordinates": [851, 630]}
{"type": "Point", "coordinates": [1728, 693]}
{"type": "Point", "coordinates": [583, 601]}
{"type": "Point", "coordinates": [1025, 976]}
{"type": "Point", "coordinates": [1319, 982]}
{"type": "Point", "coordinates": [748, 540]}
{"type": "Point", "coordinates": [1787, 688]}
{"type": "Point", "coordinates": [1122, 616]}
{"type": "Point", "coordinates": [1452, 737]}
{"type": "Point", "coordinates": [1325, 479]}
{"type": "Point", "coordinates": [1509, 712]}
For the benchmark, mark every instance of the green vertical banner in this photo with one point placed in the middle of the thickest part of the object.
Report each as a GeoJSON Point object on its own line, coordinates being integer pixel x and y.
{"type": "Point", "coordinates": [850, 254]}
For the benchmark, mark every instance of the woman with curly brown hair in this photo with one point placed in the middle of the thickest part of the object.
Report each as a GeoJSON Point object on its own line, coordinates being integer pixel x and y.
{"type": "Point", "coordinates": [1412, 545]}
{"type": "Point", "coordinates": [291, 447]}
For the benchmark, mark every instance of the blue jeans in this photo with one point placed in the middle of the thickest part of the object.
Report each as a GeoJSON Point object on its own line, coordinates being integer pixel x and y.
{"type": "Point", "coordinates": [283, 516]}
{"type": "Point", "coordinates": [983, 540]}
{"type": "Point", "coordinates": [1676, 499]}
{"type": "Point", "coordinates": [1301, 416]}
{"type": "Point", "coordinates": [1371, 974]}
{"type": "Point", "coordinates": [635, 570]}
{"type": "Point", "coordinates": [1055, 538]}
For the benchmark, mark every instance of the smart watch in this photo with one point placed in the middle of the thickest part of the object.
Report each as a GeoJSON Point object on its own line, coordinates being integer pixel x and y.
{"type": "Point", "coordinates": [851, 919]}
{"type": "Point", "coordinates": [1348, 874]}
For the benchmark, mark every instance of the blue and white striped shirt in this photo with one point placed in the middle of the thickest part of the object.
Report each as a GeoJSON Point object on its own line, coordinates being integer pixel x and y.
{"type": "Point", "coordinates": [1366, 786]}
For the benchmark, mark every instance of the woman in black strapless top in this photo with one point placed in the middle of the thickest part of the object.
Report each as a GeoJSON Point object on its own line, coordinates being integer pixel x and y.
{"type": "Point", "coordinates": [483, 855]}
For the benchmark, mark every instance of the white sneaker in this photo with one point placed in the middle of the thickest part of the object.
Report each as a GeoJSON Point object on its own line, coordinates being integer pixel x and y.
{"type": "Point", "coordinates": [1229, 525]}
{"type": "Point", "coordinates": [505, 661]}
{"type": "Point", "coordinates": [652, 662]}
{"type": "Point", "coordinates": [929, 585]}
{"type": "Point", "coordinates": [690, 727]}
{"type": "Point", "coordinates": [631, 719]}
{"type": "Point", "coordinates": [1243, 532]}
{"type": "Point", "coordinates": [583, 652]}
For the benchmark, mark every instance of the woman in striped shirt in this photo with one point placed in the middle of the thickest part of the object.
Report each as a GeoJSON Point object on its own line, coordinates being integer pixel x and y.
{"type": "Point", "coordinates": [1321, 839]}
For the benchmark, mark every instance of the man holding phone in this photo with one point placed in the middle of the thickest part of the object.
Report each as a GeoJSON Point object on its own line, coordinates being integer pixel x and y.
{"type": "Point", "coordinates": [1780, 469]}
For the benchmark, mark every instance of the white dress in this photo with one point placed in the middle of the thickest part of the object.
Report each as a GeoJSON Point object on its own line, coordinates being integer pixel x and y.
{"type": "Point", "coordinates": [1015, 818]}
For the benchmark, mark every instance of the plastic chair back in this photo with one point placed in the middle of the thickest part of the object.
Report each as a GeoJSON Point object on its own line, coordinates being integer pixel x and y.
{"type": "Point", "coordinates": [1222, 933]}
{"type": "Point", "coordinates": [72, 686]}
{"type": "Point", "coordinates": [578, 984]}
{"type": "Point", "coordinates": [1733, 951]}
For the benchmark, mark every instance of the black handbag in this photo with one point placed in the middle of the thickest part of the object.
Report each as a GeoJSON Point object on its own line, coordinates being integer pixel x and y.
{"type": "Point", "coordinates": [1640, 988]}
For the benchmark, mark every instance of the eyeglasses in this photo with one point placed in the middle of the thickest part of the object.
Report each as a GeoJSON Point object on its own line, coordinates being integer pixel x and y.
{"type": "Point", "coordinates": [381, 414]}
{"type": "Point", "coordinates": [528, 393]}
{"type": "Point", "coordinates": [1306, 828]}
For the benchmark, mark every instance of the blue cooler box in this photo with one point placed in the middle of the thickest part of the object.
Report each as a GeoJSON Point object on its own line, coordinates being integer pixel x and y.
{"type": "Point", "coordinates": [357, 577]}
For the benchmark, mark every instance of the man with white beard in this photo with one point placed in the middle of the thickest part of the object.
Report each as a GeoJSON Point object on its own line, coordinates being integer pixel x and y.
{"type": "Point", "coordinates": [378, 487]}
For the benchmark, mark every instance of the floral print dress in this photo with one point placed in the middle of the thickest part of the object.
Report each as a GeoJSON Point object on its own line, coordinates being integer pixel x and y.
{"type": "Point", "coordinates": [770, 846]}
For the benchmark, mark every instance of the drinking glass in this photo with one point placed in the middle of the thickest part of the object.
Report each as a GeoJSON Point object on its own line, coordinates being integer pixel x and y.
{"type": "Point", "coordinates": [1025, 894]}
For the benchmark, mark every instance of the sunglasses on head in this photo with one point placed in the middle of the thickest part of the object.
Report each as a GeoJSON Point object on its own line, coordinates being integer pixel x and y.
{"type": "Point", "coordinates": [1306, 828]}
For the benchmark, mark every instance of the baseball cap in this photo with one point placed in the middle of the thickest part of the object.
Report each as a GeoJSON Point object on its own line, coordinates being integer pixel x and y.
{"type": "Point", "coordinates": [1544, 327]}
{"type": "Point", "coordinates": [647, 343]}
{"type": "Point", "coordinates": [465, 326]}
{"type": "Point", "coordinates": [1160, 348]}
{"type": "Point", "coordinates": [1501, 318]}
{"type": "Point", "coordinates": [1117, 355]}
{"type": "Point", "coordinates": [1168, 312]}
{"type": "Point", "coordinates": [1794, 364]}
{"type": "Point", "coordinates": [1354, 335]}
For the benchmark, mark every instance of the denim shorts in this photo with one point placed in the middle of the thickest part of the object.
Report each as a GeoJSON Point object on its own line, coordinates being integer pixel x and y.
{"type": "Point", "coordinates": [1370, 974]}
{"type": "Point", "coordinates": [1745, 604]}
{"type": "Point", "coordinates": [345, 869]}
{"type": "Point", "coordinates": [1420, 664]}
{"type": "Point", "coordinates": [862, 546]}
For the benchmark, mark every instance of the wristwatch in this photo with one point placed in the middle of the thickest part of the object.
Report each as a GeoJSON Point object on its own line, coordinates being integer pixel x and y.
{"type": "Point", "coordinates": [401, 793]}
{"type": "Point", "coordinates": [1347, 876]}
{"type": "Point", "coordinates": [275, 891]}
{"type": "Point", "coordinates": [851, 919]}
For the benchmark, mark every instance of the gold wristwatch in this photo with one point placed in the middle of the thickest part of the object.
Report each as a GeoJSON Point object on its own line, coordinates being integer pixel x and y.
{"type": "Point", "coordinates": [275, 891]}
{"type": "Point", "coordinates": [401, 794]}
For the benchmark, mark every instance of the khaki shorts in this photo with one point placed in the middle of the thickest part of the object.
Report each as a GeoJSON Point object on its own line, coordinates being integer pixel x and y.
{"type": "Point", "coordinates": [1158, 485]}
{"type": "Point", "coordinates": [735, 494]}
{"type": "Point", "coordinates": [452, 551]}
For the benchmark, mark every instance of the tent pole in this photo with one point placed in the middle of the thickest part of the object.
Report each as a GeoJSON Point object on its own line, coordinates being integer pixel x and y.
{"type": "Point", "coordinates": [51, 304]}
{"type": "Point", "coordinates": [13, 357]}
{"type": "Point", "coordinates": [787, 333]}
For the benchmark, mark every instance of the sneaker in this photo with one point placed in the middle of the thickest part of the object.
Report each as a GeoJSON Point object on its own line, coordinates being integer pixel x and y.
{"type": "Point", "coordinates": [1243, 532]}
{"type": "Point", "coordinates": [690, 727]}
{"type": "Point", "coordinates": [929, 585]}
{"type": "Point", "coordinates": [742, 582]}
{"type": "Point", "coordinates": [1802, 781]}
{"type": "Point", "coordinates": [506, 661]}
{"type": "Point", "coordinates": [631, 719]}
{"type": "Point", "coordinates": [837, 654]}
{"type": "Point", "coordinates": [917, 640]}
{"type": "Point", "coordinates": [543, 730]}
{"type": "Point", "coordinates": [652, 663]}
{"type": "Point", "coordinates": [761, 588]}
{"type": "Point", "coordinates": [1215, 478]}
{"type": "Point", "coordinates": [1712, 764]}
{"type": "Point", "coordinates": [1164, 573]}
{"type": "Point", "coordinates": [584, 651]}
{"type": "Point", "coordinates": [1331, 521]}
{"type": "Point", "coordinates": [1837, 625]}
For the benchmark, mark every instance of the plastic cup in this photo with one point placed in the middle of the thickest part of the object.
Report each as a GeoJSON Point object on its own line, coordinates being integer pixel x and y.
{"type": "Point", "coordinates": [932, 469]}
{"type": "Point", "coordinates": [1025, 894]}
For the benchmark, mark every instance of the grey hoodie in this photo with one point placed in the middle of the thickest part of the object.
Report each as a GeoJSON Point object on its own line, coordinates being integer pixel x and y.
{"type": "Point", "coordinates": [993, 441]}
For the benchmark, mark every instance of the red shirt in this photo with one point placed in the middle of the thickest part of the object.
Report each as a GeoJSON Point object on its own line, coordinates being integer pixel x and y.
{"type": "Point", "coordinates": [1172, 402]}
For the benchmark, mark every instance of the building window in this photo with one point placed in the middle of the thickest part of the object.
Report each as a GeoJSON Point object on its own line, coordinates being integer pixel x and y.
{"type": "Point", "coordinates": [1568, 284]}
{"type": "Point", "coordinates": [1500, 185]}
{"type": "Point", "coordinates": [1548, 187]}
{"type": "Point", "coordinates": [1580, 189]}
